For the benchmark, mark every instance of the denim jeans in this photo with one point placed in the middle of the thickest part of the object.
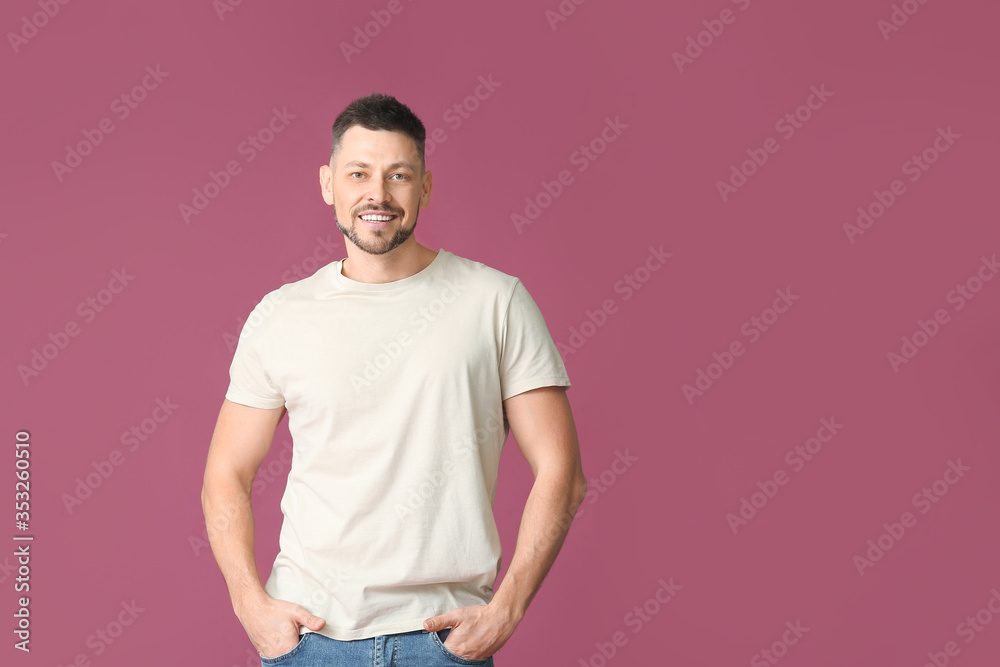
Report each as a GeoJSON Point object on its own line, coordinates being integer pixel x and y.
{"type": "Point", "coordinates": [419, 648]}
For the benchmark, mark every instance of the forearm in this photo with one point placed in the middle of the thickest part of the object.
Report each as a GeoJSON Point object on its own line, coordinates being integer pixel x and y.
{"type": "Point", "coordinates": [229, 520]}
{"type": "Point", "coordinates": [548, 513]}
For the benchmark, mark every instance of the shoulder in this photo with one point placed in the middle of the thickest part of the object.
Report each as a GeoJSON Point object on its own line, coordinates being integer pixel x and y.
{"type": "Point", "coordinates": [480, 276]}
{"type": "Point", "coordinates": [311, 287]}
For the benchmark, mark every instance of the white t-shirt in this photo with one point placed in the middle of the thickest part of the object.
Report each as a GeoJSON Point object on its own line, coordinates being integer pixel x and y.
{"type": "Point", "coordinates": [394, 395]}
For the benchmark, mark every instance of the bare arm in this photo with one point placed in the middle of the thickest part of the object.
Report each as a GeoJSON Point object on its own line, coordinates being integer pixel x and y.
{"type": "Point", "coordinates": [239, 444]}
{"type": "Point", "coordinates": [542, 423]}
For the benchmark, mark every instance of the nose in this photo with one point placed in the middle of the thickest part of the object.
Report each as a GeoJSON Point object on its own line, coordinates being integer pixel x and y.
{"type": "Point", "coordinates": [378, 193]}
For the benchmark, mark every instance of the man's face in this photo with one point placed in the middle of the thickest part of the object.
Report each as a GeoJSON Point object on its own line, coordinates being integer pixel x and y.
{"type": "Point", "coordinates": [376, 175]}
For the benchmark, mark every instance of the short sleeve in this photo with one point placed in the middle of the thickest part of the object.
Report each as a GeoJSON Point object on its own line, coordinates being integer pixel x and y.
{"type": "Point", "coordinates": [529, 358]}
{"type": "Point", "coordinates": [249, 382]}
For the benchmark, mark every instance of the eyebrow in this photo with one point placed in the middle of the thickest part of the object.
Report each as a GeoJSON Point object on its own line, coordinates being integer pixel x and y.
{"type": "Point", "coordinates": [365, 165]}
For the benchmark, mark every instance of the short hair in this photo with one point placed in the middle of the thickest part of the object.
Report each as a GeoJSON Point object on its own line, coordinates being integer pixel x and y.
{"type": "Point", "coordinates": [379, 112]}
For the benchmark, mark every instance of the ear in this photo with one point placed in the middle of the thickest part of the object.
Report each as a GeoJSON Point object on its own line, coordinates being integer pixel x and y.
{"type": "Point", "coordinates": [326, 183]}
{"type": "Point", "coordinates": [425, 197]}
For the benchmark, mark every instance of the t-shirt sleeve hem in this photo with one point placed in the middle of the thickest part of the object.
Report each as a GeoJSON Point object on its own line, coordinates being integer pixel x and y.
{"type": "Point", "coordinates": [254, 401]}
{"type": "Point", "coordinates": [522, 386]}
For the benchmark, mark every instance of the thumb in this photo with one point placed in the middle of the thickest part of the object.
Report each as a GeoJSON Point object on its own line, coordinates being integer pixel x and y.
{"type": "Point", "coordinates": [303, 617]}
{"type": "Point", "coordinates": [435, 623]}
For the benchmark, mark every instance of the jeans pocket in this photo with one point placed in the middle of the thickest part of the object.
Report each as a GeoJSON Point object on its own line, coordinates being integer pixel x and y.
{"type": "Point", "coordinates": [285, 656]}
{"type": "Point", "coordinates": [438, 639]}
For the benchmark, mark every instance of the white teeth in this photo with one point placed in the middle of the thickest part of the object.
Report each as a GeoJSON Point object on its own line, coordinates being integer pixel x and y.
{"type": "Point", "coordinates": [376, 218]}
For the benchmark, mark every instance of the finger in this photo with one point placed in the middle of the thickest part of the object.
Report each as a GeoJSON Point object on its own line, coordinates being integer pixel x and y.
{"type": "Point", "coordinates": [303, 617]}
{"type": "Point", "coordinates": [435, 623]}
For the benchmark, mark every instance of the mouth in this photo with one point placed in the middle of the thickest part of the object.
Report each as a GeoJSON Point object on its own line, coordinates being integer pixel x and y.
{"type": "Point", "coordinates": [377, 219]}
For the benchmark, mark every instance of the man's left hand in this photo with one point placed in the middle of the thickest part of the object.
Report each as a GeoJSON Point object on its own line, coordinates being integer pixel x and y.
{"type": "Point", "coordinates": [477, 631]}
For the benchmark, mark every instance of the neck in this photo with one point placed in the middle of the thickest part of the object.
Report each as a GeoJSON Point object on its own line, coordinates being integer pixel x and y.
{"type": "Point", "coordinates": [401, 262]}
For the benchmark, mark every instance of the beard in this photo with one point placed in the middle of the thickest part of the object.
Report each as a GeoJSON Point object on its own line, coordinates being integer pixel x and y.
{"type": "Point", "coordinates": [383, 242]}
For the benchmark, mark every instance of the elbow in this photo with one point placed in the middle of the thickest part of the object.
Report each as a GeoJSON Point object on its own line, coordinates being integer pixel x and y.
{"type": "Point", "coordinates": [580, 488]}
{"type": "Point", "coordinates": [204, 497]}
{"type": "Point", "coordinates": [209, 492]}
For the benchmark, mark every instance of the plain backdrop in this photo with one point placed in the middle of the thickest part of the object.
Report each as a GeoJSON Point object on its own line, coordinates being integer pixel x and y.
{"type": "Point", "coordinates": [822, 175]}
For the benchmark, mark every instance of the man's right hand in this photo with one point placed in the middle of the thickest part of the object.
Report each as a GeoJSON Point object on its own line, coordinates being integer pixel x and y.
{"type": "Point", "coordinates": [273, 625]}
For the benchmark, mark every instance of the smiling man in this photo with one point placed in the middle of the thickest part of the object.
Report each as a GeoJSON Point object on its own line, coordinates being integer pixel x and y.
{"type": "Point", "coordinates": [402, 371]}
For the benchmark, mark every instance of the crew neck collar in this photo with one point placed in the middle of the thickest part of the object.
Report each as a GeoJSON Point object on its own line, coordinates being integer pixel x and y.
{"type": "Point", "coordinates": [408, 281]}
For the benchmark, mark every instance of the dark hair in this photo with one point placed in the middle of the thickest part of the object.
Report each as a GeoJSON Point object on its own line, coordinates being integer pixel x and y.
{"type": "Point", "coordinates": [379, 112]}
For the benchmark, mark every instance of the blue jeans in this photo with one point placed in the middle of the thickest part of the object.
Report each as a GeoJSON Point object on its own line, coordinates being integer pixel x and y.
{"type": "Point", "coordinates": [419, 648]}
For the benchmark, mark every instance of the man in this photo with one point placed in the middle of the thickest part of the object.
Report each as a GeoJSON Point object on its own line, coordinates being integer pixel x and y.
{"type": "Point", "coordinates": [402, 371]}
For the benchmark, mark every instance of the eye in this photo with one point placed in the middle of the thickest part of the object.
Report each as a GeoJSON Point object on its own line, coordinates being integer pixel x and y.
{"type": "Point", "coordinates": [354, 173]}
{"type": "Point", "coordinates": [403, 175]}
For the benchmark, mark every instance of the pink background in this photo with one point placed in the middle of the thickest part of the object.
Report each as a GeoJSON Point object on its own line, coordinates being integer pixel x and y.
{"type": "Point", "coordinates": [138, 536]}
